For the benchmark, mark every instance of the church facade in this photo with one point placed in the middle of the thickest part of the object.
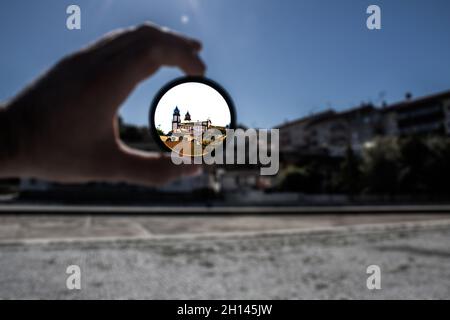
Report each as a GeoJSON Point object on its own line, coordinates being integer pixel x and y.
{"type": "Point", "coordinates": [187, 127]}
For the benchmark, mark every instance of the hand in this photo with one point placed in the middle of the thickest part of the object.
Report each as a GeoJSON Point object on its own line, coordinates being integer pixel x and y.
{"type": "Point", "coordinates": [65, 127]}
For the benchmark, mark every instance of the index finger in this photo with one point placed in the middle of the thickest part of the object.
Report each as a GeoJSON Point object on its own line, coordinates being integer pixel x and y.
{"type": "Point", "coordinates": [142, 50]}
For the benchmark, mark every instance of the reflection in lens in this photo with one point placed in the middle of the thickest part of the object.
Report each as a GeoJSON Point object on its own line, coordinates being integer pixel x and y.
{"type": "Point", "coordinates": [193, 114]}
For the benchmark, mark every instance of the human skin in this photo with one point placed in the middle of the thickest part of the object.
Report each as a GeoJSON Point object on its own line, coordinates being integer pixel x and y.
{"type": "Point", "coordinates": [64, 127]}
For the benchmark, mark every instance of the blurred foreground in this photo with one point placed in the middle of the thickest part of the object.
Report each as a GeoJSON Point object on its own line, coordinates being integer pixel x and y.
{"type": "Point", "coordinates": [226, 257]}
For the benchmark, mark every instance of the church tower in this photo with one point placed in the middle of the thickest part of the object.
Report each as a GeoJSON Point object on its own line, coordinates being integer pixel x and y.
{"type": "Point", "coordinates": [176, 119]}
{"type": "Point", "coordinates": [187, 117]}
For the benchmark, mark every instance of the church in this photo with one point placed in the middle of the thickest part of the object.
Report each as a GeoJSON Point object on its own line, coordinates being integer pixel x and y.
{"type": "Point", "coordinates": [187, 127]}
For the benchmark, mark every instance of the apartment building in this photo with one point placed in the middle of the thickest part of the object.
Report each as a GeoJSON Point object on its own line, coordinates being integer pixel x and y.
{"type": "Point", "coordinates": [424, 115]}
{"type": "Point", "coordinates": [331, 132]}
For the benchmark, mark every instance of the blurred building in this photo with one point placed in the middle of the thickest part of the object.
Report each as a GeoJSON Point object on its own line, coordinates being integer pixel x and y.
{"type": "Point", "coordinates": [425, 115]}
{"type": "Point", "coordinates": [331, 132]}
{"type": "Point", "coordinates": [298, 135]}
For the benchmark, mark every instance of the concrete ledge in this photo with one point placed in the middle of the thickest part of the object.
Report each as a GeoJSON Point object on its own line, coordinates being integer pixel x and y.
{"type": "Point", "coordinates": [31, 208]}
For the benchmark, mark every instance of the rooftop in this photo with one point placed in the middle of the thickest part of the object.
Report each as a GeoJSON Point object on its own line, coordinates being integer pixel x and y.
{"type": "Point", "coordinates": [330, 113]}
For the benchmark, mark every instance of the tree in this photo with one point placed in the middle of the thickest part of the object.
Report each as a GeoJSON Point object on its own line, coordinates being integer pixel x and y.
{"type": "Point", "coordinates": [438, 166]}
{"type": "Point", "coordinates": [380, 167]}
{"type": "Point", "coordinates": [308, 178]}
{"type": "Point", "coordinates": [349, 176]}
{"type": "Point", "coordinates": [160, 132]}
{"type": "Point", "coordinates": [414, 161]}
{"type": "Point", "coordinates": [293, 179]}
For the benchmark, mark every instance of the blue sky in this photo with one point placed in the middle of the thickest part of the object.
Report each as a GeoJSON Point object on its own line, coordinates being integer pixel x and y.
{"type": "Point", "coordinates": [279, 60]}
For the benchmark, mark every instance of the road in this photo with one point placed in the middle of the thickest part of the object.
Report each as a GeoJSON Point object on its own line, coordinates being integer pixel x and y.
{"type": "Point", "coordinates": [225, 257]}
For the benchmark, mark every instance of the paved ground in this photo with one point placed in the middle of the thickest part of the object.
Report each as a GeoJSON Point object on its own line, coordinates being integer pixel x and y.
{"type": "Point", "coordinates": [238, 257]}
{"type": "Point", "coordinates": [14, 228]}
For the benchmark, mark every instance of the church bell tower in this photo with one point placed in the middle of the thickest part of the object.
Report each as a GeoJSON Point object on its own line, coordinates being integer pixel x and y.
{"type": "Point", "coordinates": [176, 119]}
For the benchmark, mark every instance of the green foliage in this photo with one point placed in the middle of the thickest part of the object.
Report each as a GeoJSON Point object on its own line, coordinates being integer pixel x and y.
{"type": "Point", "coordinates": [380, 167]}
{"type": "Point", "coordinates": [131, 133]}
{"type": "Point", "coordinates": [349, 175]}
{"type": "Point", "coordinates": [392, 166]}
{"type": "Point", "coordinates": [306, 179]}
{"type": "Point", "coordinates": [413, 165]}
{"type": "Point", "coordinates": [160, 132]}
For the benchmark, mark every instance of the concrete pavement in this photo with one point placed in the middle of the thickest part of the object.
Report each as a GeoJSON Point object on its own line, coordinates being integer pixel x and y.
{"type": "Point", "coordinates": [414, 259]}
{"type": "Point", "coordinates": [59, 227]}
{"type": "Point", "coordinates": [309, 256]}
